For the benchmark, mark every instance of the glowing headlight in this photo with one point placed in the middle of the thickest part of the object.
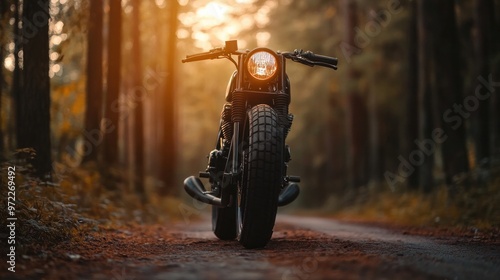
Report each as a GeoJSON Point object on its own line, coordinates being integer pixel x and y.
{"type": "Point", "coordinates": [262, 65]}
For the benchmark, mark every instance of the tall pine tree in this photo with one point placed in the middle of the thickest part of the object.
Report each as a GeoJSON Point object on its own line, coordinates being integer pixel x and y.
{"type": "Point", "coordinates": [111, 110]}
{"type": "Point", "coordinates": [33, 104]}
{"type": "Point", "coordinates": [94, 97]}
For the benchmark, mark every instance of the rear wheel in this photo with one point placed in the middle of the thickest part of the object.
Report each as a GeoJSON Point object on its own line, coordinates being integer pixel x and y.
{"type": "Point", "coordinates": [261, 178]}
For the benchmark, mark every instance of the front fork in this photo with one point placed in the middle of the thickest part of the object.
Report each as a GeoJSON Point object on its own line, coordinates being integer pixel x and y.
{"type": "Point", "coordinates": [232, 171]}
{"type": "Point", "coordinates": [230, 179]}
{"type": "Point", "coordinates": [225, 186]}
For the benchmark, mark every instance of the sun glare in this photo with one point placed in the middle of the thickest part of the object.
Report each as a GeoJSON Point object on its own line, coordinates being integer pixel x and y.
{"type": "Point", "coordinates": [213, 13]}
{"type": "Point", "coordinates": [211, 22]}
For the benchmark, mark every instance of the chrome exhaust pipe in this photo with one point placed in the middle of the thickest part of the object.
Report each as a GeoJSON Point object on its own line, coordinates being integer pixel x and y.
{"type": "Point", "coordinates": [288, 194]}
{"type": "Point", "coordinates": [194, 187]}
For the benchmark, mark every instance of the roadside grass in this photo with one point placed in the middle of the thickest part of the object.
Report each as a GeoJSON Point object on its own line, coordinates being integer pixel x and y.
{"type": "Point", "coordinates": [477, 206]}
{"type": "Point", "coordinates": [90, 198]}
{"type": "Point", "coordinates": [78, 200]}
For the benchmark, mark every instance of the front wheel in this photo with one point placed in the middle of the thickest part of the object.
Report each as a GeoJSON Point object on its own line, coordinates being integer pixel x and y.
{"type": "Point", "coordinates": [261, 179]}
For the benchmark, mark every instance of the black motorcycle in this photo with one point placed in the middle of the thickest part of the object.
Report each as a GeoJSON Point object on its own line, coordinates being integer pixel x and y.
{"type": "Point", "coordinates": [247, 170]}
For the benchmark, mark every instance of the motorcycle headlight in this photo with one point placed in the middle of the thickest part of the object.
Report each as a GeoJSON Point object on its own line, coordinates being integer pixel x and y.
{"type": "Point", "coordinates": [262, 64]}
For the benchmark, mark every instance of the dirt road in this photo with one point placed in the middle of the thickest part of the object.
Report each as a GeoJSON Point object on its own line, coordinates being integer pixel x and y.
{"type": "Point", "coordinates": [301, 248]}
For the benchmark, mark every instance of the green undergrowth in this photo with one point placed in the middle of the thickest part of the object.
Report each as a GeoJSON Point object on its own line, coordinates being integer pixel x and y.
{"type": "Point", "coordinates": [78, 200]}
{"type": "Point", "coordinates": [475, 206]}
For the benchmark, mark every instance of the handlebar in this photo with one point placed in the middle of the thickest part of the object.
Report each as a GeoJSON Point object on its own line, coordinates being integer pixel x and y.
{"type": "Point", "coordinates": [230, 47]}
{"type": "Point", "coordinates": [212, 54]}
{"type": "Point", "coordinates": [321, 58]}
{"type": "Point", "coordinates": [311, 59]}
{"type": "Point", "coordinates": [304, 57]}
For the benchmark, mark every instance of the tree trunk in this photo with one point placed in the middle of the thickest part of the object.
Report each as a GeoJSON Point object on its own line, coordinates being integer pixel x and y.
{"type": "Point", "coordinates": [110, 123]}
{"type": "Point", "coordinates": [375, 165]}
{"type": "Point", "coordinates": [495, 98]}
{"type": "Point", "coordinates": [168, 156]}
{"type": "Point", "coordinates": [449, 89]}
{"type": "Point", "coordinates": [356, 109]}
{"type": "Point", "coordinates": [483, 43]}
{"type": "Point", "coordinates": [4, 9]}
{"type": "Point", "coordinates": [94, 98]}
{"type": "Point", "coordinates": [155, 138]}
{"type": "Point", "coordinates": [412, 94]}
{"type": "Point", "coordinates": [138, 91]}
{"type": "Point", "coordinates": [34, 103]}
{"type": "Point", "coordinates": [424, 28]}
{"type": "Point", "coordinates": [17, 79]}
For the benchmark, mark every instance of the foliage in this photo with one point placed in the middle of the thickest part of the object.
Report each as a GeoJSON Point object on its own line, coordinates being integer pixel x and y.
{"type": "Point", "coordinates": [477, 207]}
{"type": "Point", "coordinates": [82, 200]}
{"type": "Point", "coordinates": [42, 211]}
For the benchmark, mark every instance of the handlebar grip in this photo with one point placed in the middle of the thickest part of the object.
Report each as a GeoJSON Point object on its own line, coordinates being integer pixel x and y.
{"type": "Point", "coordinates": [197, 57]}
{"type": "Point", "coordinates": [203, 56]}
{"type": "Point", "coordinates": [321, 58]}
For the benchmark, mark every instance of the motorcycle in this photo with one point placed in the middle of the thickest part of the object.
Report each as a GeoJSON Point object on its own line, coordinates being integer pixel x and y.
{"type": "Point", "coordinates": [247, 170]}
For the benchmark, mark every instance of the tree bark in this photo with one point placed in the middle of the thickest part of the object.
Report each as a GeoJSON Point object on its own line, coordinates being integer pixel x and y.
{"type": "Point", "coordinates": [356, 109]}
{"type": "Point", "coordinates": [139, 112]}
{"type": "Point", "coordinates": [110, 122]}
{"type": "Point", "coordinates": [34, 103]}
{"type": "Point", "coordinates": [495, 98]}
{"type": "Point", "coordinates": [94, 97]}
{"type": "Point", "coordinates": [449, 89]}
{"type": "Point", "coordinates": [483, 43]}
{"type": "Point", "coordinates": [168, 156]}
{"type": "Point", "coordinates": [17, 79]}
{"type": "Point", "coordinates": [412, 95]}
{"type": "Point", "coordinates": [424, 28]}
{"type": "Point", "coordinates": [4, 9]}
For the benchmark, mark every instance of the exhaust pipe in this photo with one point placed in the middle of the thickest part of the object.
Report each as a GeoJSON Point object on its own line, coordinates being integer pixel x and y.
{"type": "Point", "coordinates": [194, 187]}
{"type": "Point", "coordinates": [288, 194]}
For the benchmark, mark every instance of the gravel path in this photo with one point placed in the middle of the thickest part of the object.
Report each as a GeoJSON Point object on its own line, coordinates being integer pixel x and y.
{"type": "Point", "coordinates": [301, 248]}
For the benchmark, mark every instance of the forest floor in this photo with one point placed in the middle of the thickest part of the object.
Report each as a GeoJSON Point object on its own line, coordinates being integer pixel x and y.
{"type": "Point", "coordinates": [301, 248]}
{"type": "Point", "coordinates": [90, 226]}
